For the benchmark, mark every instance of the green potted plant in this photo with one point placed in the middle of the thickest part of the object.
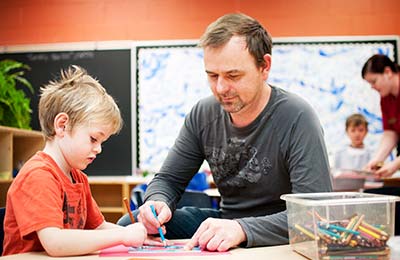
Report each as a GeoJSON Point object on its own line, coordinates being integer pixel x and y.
{"type": "Point", "coordinates": [15, 110]}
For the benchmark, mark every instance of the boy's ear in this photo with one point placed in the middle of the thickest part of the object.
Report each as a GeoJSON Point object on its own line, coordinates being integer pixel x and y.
{"type": "Point", "coordinates": [60, 123]}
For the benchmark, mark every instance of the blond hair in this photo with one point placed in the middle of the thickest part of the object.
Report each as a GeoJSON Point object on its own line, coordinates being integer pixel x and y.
{"type": "Point", "coordinates": [81, 97]}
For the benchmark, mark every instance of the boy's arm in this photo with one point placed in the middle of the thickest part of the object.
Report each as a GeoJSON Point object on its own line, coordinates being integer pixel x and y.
{"type": "Point", "coordinates": [107, 225]}
{"type": "Point", "coordinates": [68, 242]}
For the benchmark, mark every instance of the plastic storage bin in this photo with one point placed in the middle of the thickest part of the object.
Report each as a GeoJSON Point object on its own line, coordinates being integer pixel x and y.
{"type": "Point", "coordinates": [339, 225]}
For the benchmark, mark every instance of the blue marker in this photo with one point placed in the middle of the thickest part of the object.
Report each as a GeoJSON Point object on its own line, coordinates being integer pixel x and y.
{"type": "Point", "coordinates": [159, 229]}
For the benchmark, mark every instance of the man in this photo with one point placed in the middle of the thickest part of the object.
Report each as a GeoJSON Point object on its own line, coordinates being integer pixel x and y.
{"type": "Point", "coordinates": [260, 142]}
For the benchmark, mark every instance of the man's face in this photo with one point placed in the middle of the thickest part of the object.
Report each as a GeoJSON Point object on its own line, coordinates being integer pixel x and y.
{"type": "Point", "coordinates": [234, 78]}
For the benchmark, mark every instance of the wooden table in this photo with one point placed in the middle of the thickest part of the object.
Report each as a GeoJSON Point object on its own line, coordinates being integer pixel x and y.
{"type": "Point", "coordinates": [257, 253]}
{"type": "Point", "coordinates": [391, 182]}
{"type": "Point", "coordinates": [283, 252]}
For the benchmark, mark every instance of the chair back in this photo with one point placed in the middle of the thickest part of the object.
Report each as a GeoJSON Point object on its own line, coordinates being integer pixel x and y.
{"type": "Point", "coordinates": [137, 195]}
{"type": "Point", "coordinates": [2, 214]}
{"type": "Point", "coordinates": [195, 199]}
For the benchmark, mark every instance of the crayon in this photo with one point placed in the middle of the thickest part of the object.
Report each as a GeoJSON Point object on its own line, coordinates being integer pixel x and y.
{"type": "Point", "coordinates": [159, 228]}
{"type": "Point", "coordinates": [349, 226]}
{"type": "Point", "coordinates": [340, 228]}
{"type": "Point", "coordinates": [369, 232]}
{"type": "Point", "coordinates": [305, 231]}
{"type": "Point", "coordinates": [129, 210]}
{"type": "Point", "coordinates": [354, 227]}
{"type": "Point", "coordinates": [329, 233]}
{"type": "Point", "coordinates": [374, 229]}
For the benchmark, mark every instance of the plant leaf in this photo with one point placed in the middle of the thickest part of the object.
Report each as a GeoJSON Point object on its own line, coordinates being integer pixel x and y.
{"type": "Point", "coordinates": [15, 108]}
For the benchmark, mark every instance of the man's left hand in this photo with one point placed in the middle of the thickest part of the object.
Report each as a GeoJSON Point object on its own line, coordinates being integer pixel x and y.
{"type": "Point", "coordinates": [217, 235]}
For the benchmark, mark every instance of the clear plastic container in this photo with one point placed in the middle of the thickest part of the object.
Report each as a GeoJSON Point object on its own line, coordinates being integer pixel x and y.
{"type": "Point", "coordinates": [340, 224]}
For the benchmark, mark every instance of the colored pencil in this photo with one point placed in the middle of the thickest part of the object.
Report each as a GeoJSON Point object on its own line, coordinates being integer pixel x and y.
{"type": "Point", "coordinates": [129, 210]}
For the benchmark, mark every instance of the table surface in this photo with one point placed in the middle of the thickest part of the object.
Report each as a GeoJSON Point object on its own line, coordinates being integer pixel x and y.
{"type": "Point", "coordinates": [272, 252]}
{"type": "Point", "coordinates": [257, 253]}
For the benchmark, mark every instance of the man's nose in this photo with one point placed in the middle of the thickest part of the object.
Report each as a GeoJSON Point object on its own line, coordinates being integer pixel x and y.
{"type": "Point", "coordinates": [222, 85]}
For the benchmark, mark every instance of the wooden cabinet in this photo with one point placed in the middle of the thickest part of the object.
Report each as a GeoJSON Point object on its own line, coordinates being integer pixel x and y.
{"type": "Point", "coordinates": [109, 193]}
{"type": "Point", "coordinates": [17, 146]}
{"type": "Point", "coordinates": [4, 185]}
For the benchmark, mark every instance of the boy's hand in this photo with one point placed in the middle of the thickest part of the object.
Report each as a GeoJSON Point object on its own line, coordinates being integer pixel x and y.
{"type": "Point", "coordinates": [134, 235]}
{"type": "Point", "coordinates": [146, 216]}
{"type": "Point", "coordinates": [156, 241]}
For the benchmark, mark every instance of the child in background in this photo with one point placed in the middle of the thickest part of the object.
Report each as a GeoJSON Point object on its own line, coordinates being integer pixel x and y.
{"type": "Point", "coordinates": [354, 156]}
{"type": "Point", "coordinates": [49, 204]}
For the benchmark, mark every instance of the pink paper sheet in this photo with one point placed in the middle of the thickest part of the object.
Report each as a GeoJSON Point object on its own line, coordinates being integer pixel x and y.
{"type": "Point", "coordinates": [175, 250]}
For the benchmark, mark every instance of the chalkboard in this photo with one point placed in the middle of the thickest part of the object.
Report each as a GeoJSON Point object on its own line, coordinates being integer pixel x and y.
{"type": "Point", "coordinates": [324, 71]}
{"type": "Point", "coordinates": [112, 68]}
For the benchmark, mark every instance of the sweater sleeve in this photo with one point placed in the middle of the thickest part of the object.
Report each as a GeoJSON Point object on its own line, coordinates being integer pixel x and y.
{"type": "Point", "coordinates": [182, 163]}
{"type": "Point", "coordinates": [308, 167]}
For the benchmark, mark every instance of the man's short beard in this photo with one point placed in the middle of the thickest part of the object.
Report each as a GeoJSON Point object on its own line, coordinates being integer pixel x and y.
{"type": "Point", "coordinates": [233, 108]}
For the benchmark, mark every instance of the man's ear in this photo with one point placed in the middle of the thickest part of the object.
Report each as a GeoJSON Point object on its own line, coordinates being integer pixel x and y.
{"type": "Point", "coordinates": [60, 124]}
{"type": "Point", "coordinates": [267, 66]}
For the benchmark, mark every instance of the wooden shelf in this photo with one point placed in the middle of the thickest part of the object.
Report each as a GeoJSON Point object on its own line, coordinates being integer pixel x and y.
{"type": "Point", "coordinates": [109, 193]}
{"type": "Point", "coordinates": [17, 146]}
{"type": "Point", "coordinates": [112, 210]}
{"type": "Point", "coordinates": [4, 185]}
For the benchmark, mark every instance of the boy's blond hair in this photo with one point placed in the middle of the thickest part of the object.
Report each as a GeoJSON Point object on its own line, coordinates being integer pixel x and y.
{"type": "Point", "coordinates": [81, 97]}
{"type": "Point", "coordinates": [356, 120]}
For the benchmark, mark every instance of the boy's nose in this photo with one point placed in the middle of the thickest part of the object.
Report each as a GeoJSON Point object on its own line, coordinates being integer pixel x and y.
{"type": "Point", "coordinates": [98, 149]}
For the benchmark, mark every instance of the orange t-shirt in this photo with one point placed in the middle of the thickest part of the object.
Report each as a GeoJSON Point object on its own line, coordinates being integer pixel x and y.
{"type": "Point", "coordinates": [43, 196]}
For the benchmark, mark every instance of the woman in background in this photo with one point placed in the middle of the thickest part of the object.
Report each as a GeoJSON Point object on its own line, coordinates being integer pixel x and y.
{"type": "Point", "coordinates": [383, 76]}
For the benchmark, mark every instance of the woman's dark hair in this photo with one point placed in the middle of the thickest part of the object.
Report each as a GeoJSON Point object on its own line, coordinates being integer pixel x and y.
{"type": "Point", "coordinates": [377, 64]}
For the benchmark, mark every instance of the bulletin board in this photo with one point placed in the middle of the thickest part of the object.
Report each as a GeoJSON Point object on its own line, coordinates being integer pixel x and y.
{"type": "Point", "coordinates": [326, 72]}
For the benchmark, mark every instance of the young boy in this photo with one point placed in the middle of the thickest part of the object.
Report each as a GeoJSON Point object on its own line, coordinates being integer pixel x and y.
{"type": "Point", "coordinates": [49, 204]}
{"type": "Point", "coordinates": [354, 156]}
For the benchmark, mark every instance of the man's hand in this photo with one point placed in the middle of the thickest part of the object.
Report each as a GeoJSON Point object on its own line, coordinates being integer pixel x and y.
{"type": "Point", "coordinates": [146, 216]}
{"type": "Point", "coordinates": [217, 235]}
